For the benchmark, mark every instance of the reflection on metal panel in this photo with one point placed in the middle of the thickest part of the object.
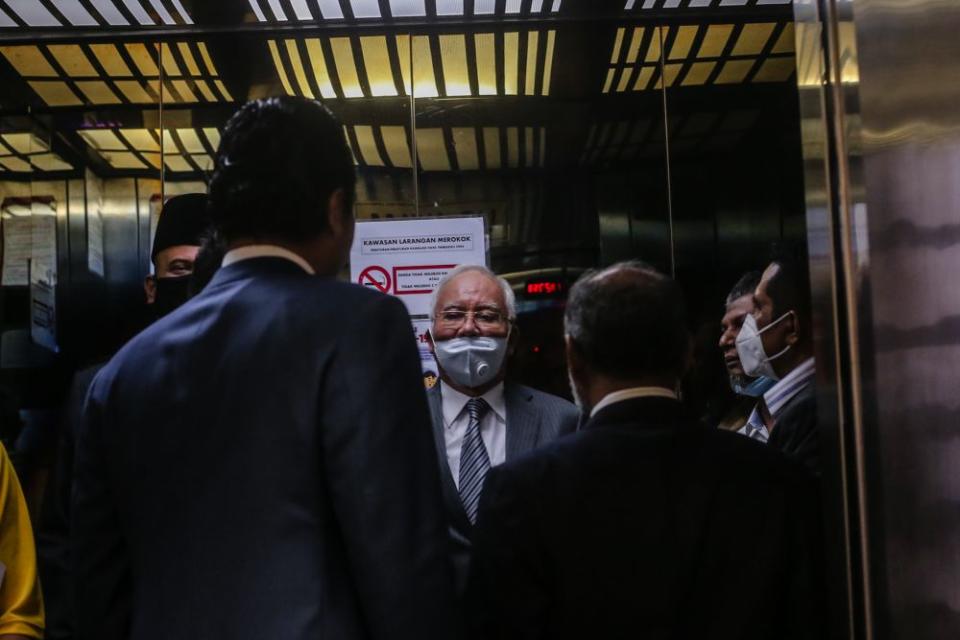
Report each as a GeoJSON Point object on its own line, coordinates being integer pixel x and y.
{"type": "Point", "coordinates": [700, 55]}
{"type": "Point", "coordinates": [448, 148]}
{"type": "Point", "coordinates": [100, 74]}
{"type": "Point", "coordinates": [185, 150]}
{"type": "Point", "coordinates": [911, 147]}
{"type": "Point", "coordinates": [442, 65]}
{"type": "Point", "coordinates": [883, 234]}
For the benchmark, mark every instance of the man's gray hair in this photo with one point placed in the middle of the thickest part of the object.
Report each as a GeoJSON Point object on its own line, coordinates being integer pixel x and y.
{"type": "Point", "coordinates": [745, 286]}
{"type": "Point", "coordinates": [508, 296]}
{"type": "Point", "coordinates": [628, 321]}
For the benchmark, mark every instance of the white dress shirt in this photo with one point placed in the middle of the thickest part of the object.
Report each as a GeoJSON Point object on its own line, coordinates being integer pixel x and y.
{"type": "Point", "coordinates": [630, 394]}
{"type": "Point", "coordinates": [265, 251]}
{"type": "Point", "coordinates": [493, 426]}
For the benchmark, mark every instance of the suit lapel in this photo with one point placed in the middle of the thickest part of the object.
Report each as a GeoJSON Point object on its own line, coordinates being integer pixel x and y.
{"type": "Point", "coordinates": [523, 423]}
{"type": "Point", "coordinates": [450, 494]}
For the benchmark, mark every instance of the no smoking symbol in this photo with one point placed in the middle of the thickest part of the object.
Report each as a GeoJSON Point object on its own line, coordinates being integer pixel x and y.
{"type": "Point", "coordinates": [375, 277]}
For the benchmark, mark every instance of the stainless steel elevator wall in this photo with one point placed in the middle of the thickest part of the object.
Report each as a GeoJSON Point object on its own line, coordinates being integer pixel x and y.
{"type": "Point", "coordinates": [882, 106]}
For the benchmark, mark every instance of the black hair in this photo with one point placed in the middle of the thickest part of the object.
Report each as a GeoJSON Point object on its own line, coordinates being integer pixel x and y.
{"type": "Point", "coordinates": [745, 286]}
{"type": "Point", "coordinates": [628, 321]}
{"type": "Point", "coordinates": [789, 289]}
{"type": "Point", "coordinates": [279, 161]}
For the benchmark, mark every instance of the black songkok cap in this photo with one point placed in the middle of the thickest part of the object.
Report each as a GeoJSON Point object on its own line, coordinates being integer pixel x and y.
{"type": "Point", "coordinates": [183, 220]}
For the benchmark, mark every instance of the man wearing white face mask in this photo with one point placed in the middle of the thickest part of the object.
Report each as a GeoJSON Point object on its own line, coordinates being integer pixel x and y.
{"type": "Point", "coordinates": [479, 420]}
{"type": "Point", "coordinates": [775, 341]}
{"type": "Point", "coordinates": [739, 305]}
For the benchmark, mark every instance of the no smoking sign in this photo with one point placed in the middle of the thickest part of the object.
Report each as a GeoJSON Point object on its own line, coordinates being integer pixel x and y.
{"type": "Point", "coordinates": [375, 277]}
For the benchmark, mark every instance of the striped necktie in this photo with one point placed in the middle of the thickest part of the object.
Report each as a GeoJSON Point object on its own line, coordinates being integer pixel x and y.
{"type": "Point", "coordinates": [474, 460]}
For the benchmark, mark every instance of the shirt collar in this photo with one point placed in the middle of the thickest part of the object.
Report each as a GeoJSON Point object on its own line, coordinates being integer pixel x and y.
{"type": "Point", "coordinates": [454, 403]}
{"type": "Point", "coordinates": [789, 386]}
{"type": "Point", "coordinates": [265, 251]}
{"type": "Point", "coordinates": [631, 393]}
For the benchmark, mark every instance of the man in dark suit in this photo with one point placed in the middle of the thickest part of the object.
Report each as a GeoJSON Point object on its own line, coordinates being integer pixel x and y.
{"type": "Point", "coordinates": [176, 242]}
{"type": "Point", "coordinates": [776, 342]}
{"type": "Point", "coordinates": [257, 463]}
{"type": "Point", "coordinates": [479, 420]}
{"type": "Point", "coordinates": [645, 523]}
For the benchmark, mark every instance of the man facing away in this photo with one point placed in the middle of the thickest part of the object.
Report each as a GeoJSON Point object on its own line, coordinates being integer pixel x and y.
{"type": "Point", "coordinates": [479, 419]}
{"type": "Point", "coordinates": [257, 464]}
{"type": "Point", "coordinates": [645, 523]}
{"type": "Point", "coordinates": [776, 342]}
{"type": "Point", "coordinates": [176, 243]}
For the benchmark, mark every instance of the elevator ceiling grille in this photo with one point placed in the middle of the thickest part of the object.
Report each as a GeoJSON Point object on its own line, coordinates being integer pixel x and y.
{"type": "Point", "coordinates": [696, 55]}
{"type": "Point", "coordinates": [449, 148]}
{"type": "Point", "coordinates": [93, 13]}
{"type": "Point", "coordinates": [183, 149]}
{"type": "Point", "coordinates": [639, 6]}
{"type": "Point", "coordinates": [141, 14]}
{"type": "Point", "coordinates": [304, 10]}
{"type": "Point", "coordinates": [114, 74]}
{"type": "Point", "coordinates": [612, 142]}
{"type": "Point", "coordinates": [26, 152]}
{"type": "Point", "coordinates": [446, 65]}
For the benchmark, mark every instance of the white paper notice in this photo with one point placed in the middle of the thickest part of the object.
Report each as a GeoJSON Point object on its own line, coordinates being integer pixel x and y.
{"type": "Point", "coordinates": [407, 258]}
{"type": "Point", "coordinates": [17, 250]}
{"type": "Point", "coordinates": [43, 303]}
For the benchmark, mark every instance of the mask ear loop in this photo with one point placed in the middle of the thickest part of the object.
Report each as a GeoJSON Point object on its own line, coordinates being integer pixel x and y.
{"type": "Point", "coordinates": [786, 348]}
{"type": "Point", "coordinates": [774, 323]}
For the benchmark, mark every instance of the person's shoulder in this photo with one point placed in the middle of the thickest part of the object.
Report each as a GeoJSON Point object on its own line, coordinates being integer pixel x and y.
{"type": "Point", "coordinates": [345, 296]}
{"type": "Point", "coordinates": [545, 400]}
{"type": "Point", "coordinates": [737, 458]}
{"type": "Point", "coordinates": [541, 462]}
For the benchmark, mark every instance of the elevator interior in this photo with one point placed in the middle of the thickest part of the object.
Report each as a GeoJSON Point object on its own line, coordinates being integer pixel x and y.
{"type": "Point", "coordinates": [584, 132]}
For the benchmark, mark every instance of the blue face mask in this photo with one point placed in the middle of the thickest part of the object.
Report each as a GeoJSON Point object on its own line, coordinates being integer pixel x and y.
{"type": "Point", "coordinates": [754, 389]}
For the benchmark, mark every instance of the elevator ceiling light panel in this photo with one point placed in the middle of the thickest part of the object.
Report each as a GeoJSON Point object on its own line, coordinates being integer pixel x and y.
{"type": "Point", "coordinates": [65, 75]}
{"type": "Point", "coordinates": [92, 13]}
{"type": "Point", "coordinates": [27, 153]}
{"type": "Point", "coordinates": [182, 150]}
{"type": "Point", "coordinates": [449, 148]}
{"type": "Point", "coordinates": [444, 65]}
{"type": "Point", "coordinates": [322, 10]}
{"type": "Point", "coordinates": [639, 6]}
{"type": "Point", "coordinates": [698, 55]}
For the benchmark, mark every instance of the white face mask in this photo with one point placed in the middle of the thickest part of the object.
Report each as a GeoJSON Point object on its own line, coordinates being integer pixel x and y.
{"type": "Point", "coordinates": [471, 362]}
{"type": "Point", "coordinates": [753, 358]}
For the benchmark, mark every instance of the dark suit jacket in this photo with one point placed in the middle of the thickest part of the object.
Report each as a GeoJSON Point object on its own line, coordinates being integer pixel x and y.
{"type": "Point", "coordinates": [645, 524]}
{"type": "Point", "coordinates": [796, 433]}
{"type": "Point", "coordinates": [533, 419]}
{"type": "Point", "coordinates": [257, 465]}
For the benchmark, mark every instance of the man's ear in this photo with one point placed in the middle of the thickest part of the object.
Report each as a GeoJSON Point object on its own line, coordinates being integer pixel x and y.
{"type": "Point", "coordinates": [793, 329]}
{"type": "Point", "coordinates": [150, 289]}
{"type": "Point", "coordinates": [430, 341]}
{"type": "Point", "coordinates": [337, 217]}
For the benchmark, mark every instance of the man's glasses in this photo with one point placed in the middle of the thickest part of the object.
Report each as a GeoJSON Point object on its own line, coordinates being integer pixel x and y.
{"type": "Point", "coordinates": [483, 318]}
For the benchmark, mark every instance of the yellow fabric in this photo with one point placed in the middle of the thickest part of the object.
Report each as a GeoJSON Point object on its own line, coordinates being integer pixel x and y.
{"type": "Point", "coordinates": [21, 605]}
